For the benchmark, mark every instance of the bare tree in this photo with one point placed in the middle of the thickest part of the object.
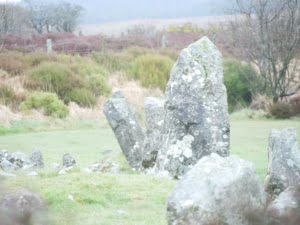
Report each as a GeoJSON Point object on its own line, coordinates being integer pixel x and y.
{"type": "Point", "coordinates": [67, 16]}
{"type": "Point", "coordinates": [48, 17]}
{"type": "Point", "coordinates": [266, 33]}
{"type": "Point", "coordinates": [13, 19]}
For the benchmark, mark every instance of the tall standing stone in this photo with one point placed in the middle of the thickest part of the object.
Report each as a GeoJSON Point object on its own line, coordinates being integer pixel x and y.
{"type": "Point", "coordinates": [284, 161]}
{"type": "Point", "coordinates": [126, 128]}
{"type": "Point", "coordinates": [196, 118]}
{"type": "Point", "coordinates": [154, 115]}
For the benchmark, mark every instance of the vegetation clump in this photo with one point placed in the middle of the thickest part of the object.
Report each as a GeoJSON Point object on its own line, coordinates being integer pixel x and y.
{"type": "Point", "coordinates": [153, 70]}
{"type": "Point", "coordinates": [49, 103]}
{"type": "Point", "coordinates": [281, 110]}
{"type": "Point", "coordinates": [238, 88]}
{"type": "Point", "coordinates": [8, 97]}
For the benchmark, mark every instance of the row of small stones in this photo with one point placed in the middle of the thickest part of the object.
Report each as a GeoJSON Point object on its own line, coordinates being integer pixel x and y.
{"type": "Point", "coordinates": [68, 165]}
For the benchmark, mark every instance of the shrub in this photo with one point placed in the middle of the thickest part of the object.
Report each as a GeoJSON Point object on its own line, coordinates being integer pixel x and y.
{"type": "Point", "coordinates": [136, 51]}
{"type": "Point", "coordinates": [14, 63]}
{"type": "Point", "coordinates": [48, 102]}
{"type": "Point", "coordinates": [54, 77]}
{"type": "Point", "coordinates": [82, 97]}
{"type": "Point", "coordinates": [98, 85]}
{"type": "Point", "coordinates": [153, 70]}
{"type": "Point", "coordinates": [113, 61]}
{"type": "Point", "coordinates": [295, 104]}
{"type": "Point", "coordinates": [261, 102]}
{"type": "Point", "coordinates": [281, 110]}
{"type": "Point", "coordinates": [36, 58]}
{"type": "Point", "coordinates": [8, 97]}
{"type": "Point", "coordinates": [235, 80]}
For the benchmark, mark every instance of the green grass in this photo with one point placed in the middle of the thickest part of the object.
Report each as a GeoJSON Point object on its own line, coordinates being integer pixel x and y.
{"type": "Point", "coordinates": [126, 199]}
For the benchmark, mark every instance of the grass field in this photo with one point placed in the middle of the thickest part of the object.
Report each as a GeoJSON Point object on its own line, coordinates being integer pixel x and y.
{"type": "Point", "coordinates": [126, 199]}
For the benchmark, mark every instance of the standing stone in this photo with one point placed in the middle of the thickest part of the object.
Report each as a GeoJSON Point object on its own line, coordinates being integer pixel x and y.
{"type": "Point", "coordinates": [68, 161]}
{"type": "Point", "coordinates": [196, 121]}
{"type": "Point", "coordinates": [154, 115]}
{"type": "Point", "coordinates": [284, 161]}
{"type": "Point", "coordinates": [217, 190]}
{"type": "Point", "coordinates": [37, 160]}
{"type": "Point", "coordinates": [126, 128]}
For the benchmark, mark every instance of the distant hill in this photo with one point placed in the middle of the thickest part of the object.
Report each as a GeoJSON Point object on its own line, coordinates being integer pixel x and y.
{"type": "Point", "coordinates": [117, 28]}
{"type": "Point", "coordinates": [104, 11]}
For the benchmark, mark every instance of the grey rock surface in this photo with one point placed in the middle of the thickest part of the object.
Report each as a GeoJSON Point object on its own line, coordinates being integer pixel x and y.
{"type": "Point", "coordinates": [68, 161]}
{"type": "Point", "coordinates": [105, 167]}
{"type": "Point", "coordinates": [216, 190]}
{"type": "Point", "coordinates": [154, 116]}
{"type": "Point", "coordinates": [196, 111]}
{"type": "Point", "coordinates": [19, 159]}
{"type": "Point", "coordinates": [37, 160]}
{"type": "Point", "coordinates": [126, 128]}
{"type": "Point", "coordinates": [8, 166]}
{"type": "Point", "coordinates": [285, 209]}
{"type": "Point", "coordinates": [284, 161]}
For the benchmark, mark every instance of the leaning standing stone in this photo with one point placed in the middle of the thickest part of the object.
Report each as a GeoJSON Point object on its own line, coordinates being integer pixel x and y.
{"type": "Point", "coordinates": [197, 121]}
{"type": "Point", "coordinates": [126, 128]}
{"type": "Point", "coordinates": [284, 161]}
{"type": "Point", "coordinates": [217, 190]}
{"type": "Point", "coordinates": [154, 115]}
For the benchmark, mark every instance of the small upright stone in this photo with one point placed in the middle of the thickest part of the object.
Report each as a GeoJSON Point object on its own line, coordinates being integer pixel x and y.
{"type": "Point", "coordinates": [126, 128]}
{"type": "Point", "coordinates": [68, 161]}
{"type": "Point", "coordinates": [196, 111]}
{"type": "Point", "coordinates": [217, 190]}
{"type": "Point", "coordinates": [154, 114]}
{"type": "Point", "coordinates": [284, 161]}
{"type": "Point", "coordinates": [37, 160]}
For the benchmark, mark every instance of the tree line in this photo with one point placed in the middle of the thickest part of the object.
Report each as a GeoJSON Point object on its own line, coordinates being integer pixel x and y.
{"type": "Point", "coordinates": [39, 17]}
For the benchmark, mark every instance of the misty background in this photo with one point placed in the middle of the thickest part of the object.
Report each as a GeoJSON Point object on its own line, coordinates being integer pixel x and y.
{"type": "Point", "coordinates": [105, 11]}
{"type": "Point", "coordinates": [122, 10]}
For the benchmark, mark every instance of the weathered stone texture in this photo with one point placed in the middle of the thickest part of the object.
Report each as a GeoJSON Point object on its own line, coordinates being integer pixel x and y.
{"type": "Point", "coordinates": [196, 111]}
{"type": "Point", "coordinates": [126, 128]}
{"type": "Point", "coordinates": [68, 160]}
{"type": "Point", "coordinates": [216, 190]}
{"type": "Point", "coordinates": [154, 115]}
{"type": "Point", "coordinates": [284, 161]}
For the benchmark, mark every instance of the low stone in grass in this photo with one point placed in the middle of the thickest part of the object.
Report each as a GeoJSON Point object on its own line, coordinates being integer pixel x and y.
{"type": "Point", "coordinates": [217, 190]}
{"type": "Point", "coordinates": [68, 161]}
{"type": "Point", "coordinates": [8, 166]}
{"type": "Point", "coordinates": [19, 159]}
{"type": "Point", "coordinates": [37, 160]}
{"type": "Point", "coordinates": [284, 161]}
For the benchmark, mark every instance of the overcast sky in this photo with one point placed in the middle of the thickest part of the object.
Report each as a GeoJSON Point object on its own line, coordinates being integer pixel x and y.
{"type": "Point", "coordinates": [101, 11]}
